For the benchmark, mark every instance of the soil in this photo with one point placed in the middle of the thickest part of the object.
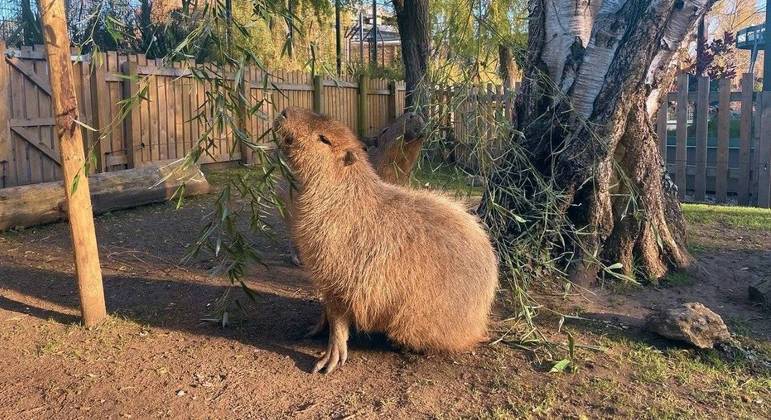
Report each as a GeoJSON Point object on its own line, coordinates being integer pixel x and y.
{"type": "Point", "coordinates": [158, 357]}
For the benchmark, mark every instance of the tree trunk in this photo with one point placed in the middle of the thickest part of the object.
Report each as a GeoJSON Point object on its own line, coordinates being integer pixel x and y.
{"type": "Point", "coordinates": [595, 73]}
{"type": "Point", "coordinates": [415, 33]}
{"type": "Point", "coordinates": [506, 67]}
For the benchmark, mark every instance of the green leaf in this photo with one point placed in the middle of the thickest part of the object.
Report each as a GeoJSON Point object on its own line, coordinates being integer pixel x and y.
{"type": "Point", "coordinates": [560, 366]}
{"type": "Point", "coordinates": [75, 183]}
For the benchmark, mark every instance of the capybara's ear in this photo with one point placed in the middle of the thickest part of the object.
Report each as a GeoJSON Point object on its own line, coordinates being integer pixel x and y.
{"type": "Point", "coordinates": [349, 157]}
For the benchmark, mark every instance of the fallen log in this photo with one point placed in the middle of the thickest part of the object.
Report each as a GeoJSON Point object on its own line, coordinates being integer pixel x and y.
{"type": "Point", "coordinates": [36, 204]}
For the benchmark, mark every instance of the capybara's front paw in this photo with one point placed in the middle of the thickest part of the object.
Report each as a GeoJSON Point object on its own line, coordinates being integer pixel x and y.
{"type": "Point", "coordinates": [336, 355]}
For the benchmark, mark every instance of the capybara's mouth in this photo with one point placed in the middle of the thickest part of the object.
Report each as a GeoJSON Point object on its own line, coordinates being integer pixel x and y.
{"type": "Point", "coordinates": [286, 138]}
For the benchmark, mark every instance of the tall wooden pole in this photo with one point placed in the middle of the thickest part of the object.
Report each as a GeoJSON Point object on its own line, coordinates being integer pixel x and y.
{"type": "Point", "coordinates": [76, 189]}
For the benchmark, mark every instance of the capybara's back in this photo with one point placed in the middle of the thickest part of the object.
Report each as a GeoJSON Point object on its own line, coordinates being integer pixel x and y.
{"type": "Point", "coordinates": [410, 263]}
{"type": "Point", "coordinates": [439, 269]}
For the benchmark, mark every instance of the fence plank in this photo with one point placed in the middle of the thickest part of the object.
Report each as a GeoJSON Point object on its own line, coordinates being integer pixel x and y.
{"type": "Point", "coordinates": [682, 134]}
{"type": "Point", "coordinates": [362, 106]}
{"type": "Point", "coordinates": [701, 114]}
{"type": "Point", "coordinates": [745, 135]}
{"type": "Point", "coordinates": [132, 120]}
{"type": "Point", "coordinates": [101, 102]}
{"type": "Point", "coordinates": [723, 125]}
{"type": "Point", "coordinates": [7, 175]}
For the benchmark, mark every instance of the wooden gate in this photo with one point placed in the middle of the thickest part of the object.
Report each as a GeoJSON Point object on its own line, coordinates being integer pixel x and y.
{"type": "Point", "coordinates": [29, 153]}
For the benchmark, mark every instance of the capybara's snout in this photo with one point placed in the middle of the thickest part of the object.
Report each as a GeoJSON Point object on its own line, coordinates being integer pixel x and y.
{"type": "Point", "coordinates": [292, 123]}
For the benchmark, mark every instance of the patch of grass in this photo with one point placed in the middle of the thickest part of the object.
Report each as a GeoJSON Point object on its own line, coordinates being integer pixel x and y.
{"type": "Point", "coordinates": [732, 216]}
{"type": "Point", "coordinates": [678, 278]}
{"type": "Point", "coordinates": [650, 364]}
{"type": "Point", "coordinates": [739, 325]}
{"type": "Point", "coordinates": [444, 177]}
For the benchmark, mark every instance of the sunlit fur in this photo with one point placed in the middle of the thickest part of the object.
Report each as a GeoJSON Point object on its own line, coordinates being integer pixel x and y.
{"type": "Point", "coordinates": [409, 263]}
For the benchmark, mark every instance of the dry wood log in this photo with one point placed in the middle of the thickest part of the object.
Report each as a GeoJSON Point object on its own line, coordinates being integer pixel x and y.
{"type": "Point", "coordinates": [31, 205]}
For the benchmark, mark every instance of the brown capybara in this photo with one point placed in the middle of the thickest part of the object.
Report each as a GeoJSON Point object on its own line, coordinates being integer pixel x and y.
{"type": "Point", "coordinates": [409, 263]}
{"type": "Point", "coordinates": [393, 154]}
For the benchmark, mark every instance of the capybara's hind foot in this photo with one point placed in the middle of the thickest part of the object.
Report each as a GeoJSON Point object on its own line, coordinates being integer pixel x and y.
{"type": "Point", "coordinates": [336, 355]}
{"type": "Point", "coordinates": [317, 328]}
{"type": "Point", "coordinates": [337, 349]}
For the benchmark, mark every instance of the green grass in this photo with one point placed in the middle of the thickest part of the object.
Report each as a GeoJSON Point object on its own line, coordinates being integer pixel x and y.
{"type": "Point", "coordinates": [678, 278]}
{"type": "Point", "coordinates": [732, 216]}
{"type": "Point", "coordinates": [444, 177]}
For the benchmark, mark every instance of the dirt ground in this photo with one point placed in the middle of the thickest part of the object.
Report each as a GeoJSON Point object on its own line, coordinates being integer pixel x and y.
{"type": "Point", "coordinates": [155, 357]}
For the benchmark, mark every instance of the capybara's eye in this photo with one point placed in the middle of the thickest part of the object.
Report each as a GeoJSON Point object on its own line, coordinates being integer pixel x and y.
{"type": "Point", "coordinates": [324, 140]}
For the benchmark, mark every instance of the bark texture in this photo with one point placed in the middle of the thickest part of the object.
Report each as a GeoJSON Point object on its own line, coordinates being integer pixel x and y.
{"type": "Point", "coordinates": [415, 32]}
{"type": "Point", "coordinates": [594, 74]}
{"type": "Point", "coordinates": [506, 68]}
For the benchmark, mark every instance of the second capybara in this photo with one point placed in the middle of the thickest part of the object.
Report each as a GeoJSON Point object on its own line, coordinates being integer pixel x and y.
{"type": "Point", "coordinates": [409, 263]}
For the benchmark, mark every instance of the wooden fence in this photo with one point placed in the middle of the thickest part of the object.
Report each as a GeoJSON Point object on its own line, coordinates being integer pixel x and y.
{"type": "Point", "coordinates": [162, 125]}
{"type": "Point", "coordinates": [711, 138]}
{"type": "Point", "coordinates": [716, 142]}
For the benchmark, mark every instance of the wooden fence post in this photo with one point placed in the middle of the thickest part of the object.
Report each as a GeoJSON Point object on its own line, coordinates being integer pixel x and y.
{"type": "Point", "coordinates": [100, 103]}
{"type": "Point", "coordinates": [132, 132]}
{"type": "Point", "coordinates": [763, 151]}
{"type": "Point", "coordinates": [682, 135]}
{"type": "Point", "coordinates": [79, 210]}
{"type": "Point", "coordinates": [702, 119]}
{"type": "Point", "coordinates": [392, 105]}
{"type": "Point", "coordinates": [5, 120]}
{"type": "Point", "coordinates": [363, 105]}
{"type": "Point", "coordinates": [318, 94]}
{"type": "Point", "coordinates": [745, 135]}
{"type": "Point", "coordinates": [723, 125]}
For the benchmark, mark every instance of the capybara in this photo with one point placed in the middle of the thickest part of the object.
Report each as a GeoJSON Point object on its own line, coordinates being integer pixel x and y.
{"type": "Point", "coordinates": [409, 263]}
{"type": "Point", "coordinates": [393, 153]}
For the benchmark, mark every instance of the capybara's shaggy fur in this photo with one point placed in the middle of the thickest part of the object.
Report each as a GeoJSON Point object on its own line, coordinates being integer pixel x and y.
{"type": "Point", "coordinates": [409, 263]}
{"type": "Point", "coordinates": [393, 154]}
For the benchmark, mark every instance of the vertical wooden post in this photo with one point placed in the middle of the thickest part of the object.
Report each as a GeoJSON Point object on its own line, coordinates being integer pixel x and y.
{"type": "Point", "coordinates": [100, 103]}
{"type": "Point", "coordinates": [363, 102]}
{"type": "Point", "coordinates": [5, 121]}
{"type": "Point", "coordinates": [763, 151]}
{"type": "Point", "coordinates": [745, 134]}
{"type": "Point", "coordinates": [132, 132]}
{"type": "Point", "coordinates": [392, 105]}
{"type": "Point", "coordinates": [702, 120]}
{"type": "Point", "coordinates": [723, 125]}
{"type": "Point", "coordinates": [318, 94]}
{"type": "Point", "coordinates": [682, 134]}
{"type": "Point", "coordinates": [76, 188]}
